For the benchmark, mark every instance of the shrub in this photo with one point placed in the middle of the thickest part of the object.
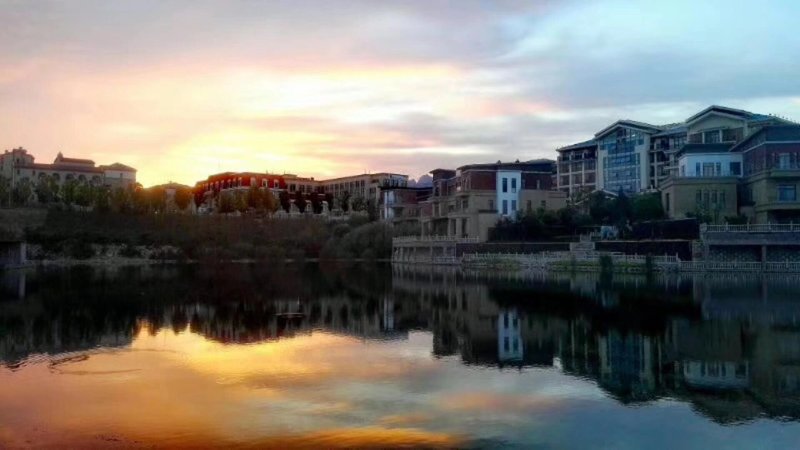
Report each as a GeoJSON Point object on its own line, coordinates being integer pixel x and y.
{"type": "Point", "coordinates": [130, 251]}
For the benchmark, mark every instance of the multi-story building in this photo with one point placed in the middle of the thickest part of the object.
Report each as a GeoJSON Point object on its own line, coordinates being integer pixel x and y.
{"type": "Point", "coordinates": [402, 205]}
{"type": "Point", "coordinates": [468, 202]}
{"type": "Point", "coordinates": [757, 177]}
{"type": "Point", "coordinates": [17, 165]}
{"type": "Point", "coordinates": [634, 156]}
{"type": "Point", "coordinates": [366, 186]}
{"type": "Point", "coordinates": [577, 168]}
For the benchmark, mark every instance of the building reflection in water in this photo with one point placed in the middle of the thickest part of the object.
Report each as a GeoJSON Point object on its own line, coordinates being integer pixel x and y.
{"type": "Point", "coordinates": [729, 346]}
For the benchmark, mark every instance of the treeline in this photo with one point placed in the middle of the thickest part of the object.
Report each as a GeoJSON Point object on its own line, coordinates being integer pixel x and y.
{"type": "Point", "coordinates": [87, 195]}
{"type": "Point", "coordinates": [596, 210]}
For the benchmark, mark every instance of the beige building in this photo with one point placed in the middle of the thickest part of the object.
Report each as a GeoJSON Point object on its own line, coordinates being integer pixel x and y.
{"type": "Point", "coordinates": [469, 201]}
{"type": "Point", "coordinates": [17, 165]}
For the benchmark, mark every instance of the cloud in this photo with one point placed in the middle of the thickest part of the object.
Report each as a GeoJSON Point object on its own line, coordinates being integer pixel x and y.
{"type": "Point", "coordinates": [320, 88]}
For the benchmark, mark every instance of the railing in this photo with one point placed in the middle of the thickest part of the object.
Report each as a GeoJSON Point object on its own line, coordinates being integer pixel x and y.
{"type": "Point", "coordinates": [751, 228]}
{"type": "Point", "coordinates": [736, 266]}
{"type": "Point", "coordinates": [543, 258]}
{"type": "Point", "coordinates": [411, 239]}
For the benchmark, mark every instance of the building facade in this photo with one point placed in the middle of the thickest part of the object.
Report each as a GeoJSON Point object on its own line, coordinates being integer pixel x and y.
{"type": "Point", "coordinates": [365, 186]}
{"type": "Point", "coordinates": [757, 178]}
{"type": "Point", "coordinates": [577, 168]}
{"type": "Point", "coordinates": [633, 156]}
{"type": "Point", "coordinates": [18, 165]}
{"type": "Point", "coordinates": [468, 202]}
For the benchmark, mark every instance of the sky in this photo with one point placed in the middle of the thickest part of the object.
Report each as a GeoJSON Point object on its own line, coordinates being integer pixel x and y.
{"type": "Point", "coordinates": [184, 89]}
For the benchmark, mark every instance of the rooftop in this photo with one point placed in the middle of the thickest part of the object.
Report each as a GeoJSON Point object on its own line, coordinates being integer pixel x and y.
{"type": "Point", "coordinates": [705, 148]}
{"type": "Point", "coordinates": [579, 145]}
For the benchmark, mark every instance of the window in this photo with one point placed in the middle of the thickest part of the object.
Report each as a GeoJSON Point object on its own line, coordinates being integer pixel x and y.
{"type": "Point", "coordinates": [683, 171]}
{"type": "Point", "coordinates": [784, 161]}
{"type": "Point", "coordinates": [505, 207]}
{"type": "Point", "coordinates": [698, 198]}
{"type": "Point", "coordinates": [713, 197]}
{"type": "Point", "coordinates": [505, 184]}
{"type": "Point", "coordinates": [717, 169]}
{"type": "Point", "coordinates": [505, 320]}
{"type": "Point", "coordinates": [491, 205]}
{"type": "Point", "coordinates": [708, 169]}
{"type": "Point", "coordinates": [666, 201]}
{"type": "Point", "coordinates": [529, 206]}
{"type": "Point", "coordinates": [697, 171]}
{"type": "Point", "coordinates": [711, 137]}
{"type": "Point", "coordinates": [736, 168]}
{"type": "Point", "coordinates": [513, 205]}
{"type": "Point", "coordinates": [722, 199]}
{"type": "Point", "coordinates": [513, 185]}
{"type": "Point", "coordinates": [787, 193]}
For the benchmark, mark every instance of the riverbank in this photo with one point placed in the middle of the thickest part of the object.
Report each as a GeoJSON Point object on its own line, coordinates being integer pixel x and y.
{"type": "Point", "coordinates": [74, 237]}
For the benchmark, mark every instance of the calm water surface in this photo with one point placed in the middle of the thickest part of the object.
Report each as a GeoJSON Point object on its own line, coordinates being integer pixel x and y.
{"type": "Point", "coordinates": [327, 357]}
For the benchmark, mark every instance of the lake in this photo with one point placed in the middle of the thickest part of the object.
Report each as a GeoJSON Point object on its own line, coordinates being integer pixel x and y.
{"type": "Point", "coordinates": [341, 356]}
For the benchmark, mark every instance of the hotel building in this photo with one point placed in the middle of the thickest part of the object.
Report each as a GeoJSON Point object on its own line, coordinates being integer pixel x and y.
{"type": "Point", "coordinates": [367, 186]}
{"type": "Point", "coordinates": [17, 165]}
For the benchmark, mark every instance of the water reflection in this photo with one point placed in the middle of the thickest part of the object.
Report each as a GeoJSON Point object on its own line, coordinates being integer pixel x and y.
{"type": "Point", "coordinates": [393, 351]}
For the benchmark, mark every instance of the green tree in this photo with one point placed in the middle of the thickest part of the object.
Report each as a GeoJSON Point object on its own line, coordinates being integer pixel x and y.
{"type": "Point", "coordinates": [46, 190]}
{"type": "Point", "coordinates": [270, 202]}
{"type": "Point", "coordinates": [300, 201]}
{"type": "Point", "coordinates": [240, 201]}
{"type": "Point", "coordinates": [647, 207]}
{"type": "Point", "coordinates": [101, 199]}
{"type": "Point", "coordinates": [183, 197]}
{"type": "Point", "coordinates": [68, 191]}
{"type": "Point", "coordinates": [83, 194]}
{"type": "Point", "coordinates": [119, 200]}
{"type": "Point", "coordinates": [22, 192]}
{"type": "Point", "coordinates": [255, 198]}
{"type": "Point", "coordinates": [226, 203]}
{"type": "Point", "coordinates": [5, 191]}
{"type": "Point", "coordinates": [359, 204]}
{"type": "Point", "coordinates": [156, 199]}
{"type": "Point", "coordinates": [344, 201]}
{"type": "Point", "coordinates": [316, 202]}
{"type": "Point", "coordinates": [285, 201]}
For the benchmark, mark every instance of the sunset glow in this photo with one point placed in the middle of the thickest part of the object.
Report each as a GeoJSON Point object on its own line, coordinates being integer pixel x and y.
{"type": "Point", "coordinates": [325, 90]}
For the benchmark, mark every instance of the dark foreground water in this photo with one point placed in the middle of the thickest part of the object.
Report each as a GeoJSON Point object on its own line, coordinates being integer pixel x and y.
{"type": "Point", "coordinates": [328, 357]}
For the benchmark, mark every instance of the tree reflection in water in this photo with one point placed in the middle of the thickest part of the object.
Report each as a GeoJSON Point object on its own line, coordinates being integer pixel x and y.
{"type": "Point", "coordinates": [729, 346]}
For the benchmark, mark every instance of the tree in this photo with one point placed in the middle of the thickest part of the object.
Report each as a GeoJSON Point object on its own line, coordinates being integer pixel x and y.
{"type": "Point", "coordinates": [156, 199]}
{"type": "Point", "coordinates": [83, 194]}
{"type": "Point", "coordinates": [316, 202]}
{"type": "Point", "coordinates": [270, 202]}
{"type": "Point", "coordinates": [647, 207]}
{"type": "Point", "coordinates": [599, 207]}
{"type": "Point", "coordinates": [120, 200]}
{"type": "Point", "coordinates": [344, 201]}
{"type": "Point", "coordinates": [5, 191]}
{"type": "Point", "coordinates": [183, 197]}
{"type": "Point", "coordinates": [329, 199]}
{"type": "Point", "coordinates": [46, 189]}
{"type": "Point", "coordinates": [359, 204]}
{"type": "Point", "coordinates": [68, 191]}
{"type": "Point", "coordinates": [240, 201]}
{"type": "Point", "coordinates": [21, 193]}
{"type": "Point", "coordinates": [373, 213]}
{"type": "Point", "coordinates": [225, 203]}
{"type": "Point", "coordinates": [100, 199]}
{"type": "Point", "coordinates": [285, 201]}
{"type": "Point", "coordinates": [255, 198]}
{"type": "Point", "coordinates": [300, 201]}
